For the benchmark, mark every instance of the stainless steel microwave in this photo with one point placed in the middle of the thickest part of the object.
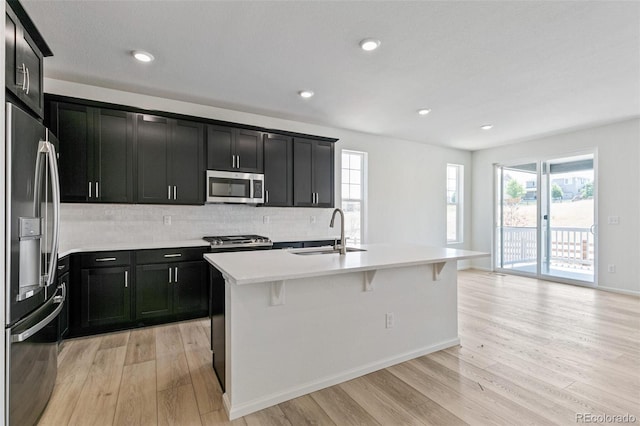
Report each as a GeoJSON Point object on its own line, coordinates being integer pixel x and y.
{"type": "Point", "coordinates": [234, 187]}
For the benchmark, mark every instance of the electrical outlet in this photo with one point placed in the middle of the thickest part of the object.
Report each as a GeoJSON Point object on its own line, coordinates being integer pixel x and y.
{"type": "Point", "coordinates": [167, 220]}
{"type": "Point", "coordinates": [389, 320]}
{"type": "Point", "coordinates": [611, 268]}
{"type": "Point", "coordinates": [613, 220]}
{"type": "Point", "coordinates": [312, 219]}
{"type": "Point", "coordinates": [266, 219]}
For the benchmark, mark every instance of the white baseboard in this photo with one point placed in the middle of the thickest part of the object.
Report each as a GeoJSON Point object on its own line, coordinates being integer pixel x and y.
{"type": "Point", "coordinates": [239, 410]}
{"type": "Point", "coordinates": [620, 291]}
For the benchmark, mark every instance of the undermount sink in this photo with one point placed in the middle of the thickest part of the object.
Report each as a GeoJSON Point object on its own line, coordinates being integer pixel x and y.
{"type": "Point", "coordinates": [325, 251]}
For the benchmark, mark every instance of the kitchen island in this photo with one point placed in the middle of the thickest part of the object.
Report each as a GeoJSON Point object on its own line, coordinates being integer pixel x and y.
{"type": "Point", "coordinates": [297, 321]}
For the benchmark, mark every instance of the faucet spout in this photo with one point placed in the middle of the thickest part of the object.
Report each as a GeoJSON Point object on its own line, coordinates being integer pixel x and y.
{"type": "Point", "coordinates": [342, 247]}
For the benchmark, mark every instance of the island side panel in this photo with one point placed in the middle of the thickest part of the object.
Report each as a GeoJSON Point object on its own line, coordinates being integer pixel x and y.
{"type": "Point", "coordinates": [330, 330]}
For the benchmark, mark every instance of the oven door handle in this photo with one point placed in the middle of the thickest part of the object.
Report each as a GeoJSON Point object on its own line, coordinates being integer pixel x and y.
{"type": "Point", "coordinates": [59, 300]}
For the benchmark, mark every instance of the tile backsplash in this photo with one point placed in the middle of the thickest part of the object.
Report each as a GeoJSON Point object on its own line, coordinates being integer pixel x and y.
{"type": "Point", "coordinates": [93, 224]}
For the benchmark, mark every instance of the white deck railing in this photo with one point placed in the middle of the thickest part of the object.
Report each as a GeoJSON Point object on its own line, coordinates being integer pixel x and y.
{"type": "Point", "coordinates": [569, 246]}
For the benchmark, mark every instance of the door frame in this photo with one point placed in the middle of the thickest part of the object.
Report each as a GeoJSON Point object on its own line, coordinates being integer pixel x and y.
{"type": "Point", "coordinates": [541, 230]}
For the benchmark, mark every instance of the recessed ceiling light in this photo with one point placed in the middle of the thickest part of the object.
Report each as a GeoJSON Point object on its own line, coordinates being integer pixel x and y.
{"type": "Point", "coordinates": [369, 44]}
{"type": "Point", "coordinates": [486, 126]}
{"type": "Point", "coordinates": [306, 93]}
{"type": "Point", "coordinates": [142, 56]}
{"type": "Point", "coordinates": [424, 111]}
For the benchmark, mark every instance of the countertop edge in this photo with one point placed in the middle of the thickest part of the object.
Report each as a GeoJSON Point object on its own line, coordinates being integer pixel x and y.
{"type": "Point", "coordinates": [379, 266]}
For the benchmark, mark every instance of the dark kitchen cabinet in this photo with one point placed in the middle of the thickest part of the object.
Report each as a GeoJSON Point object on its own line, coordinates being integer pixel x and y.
{"type": "Point", "coordinates": [24, 57]}
{"type": "Point", "coordinates": [190, 287]}
{"type": "Point", "coordinates": [313, 173]}
{"type": "Point", "coordinates": [171, 282]}
{"type": "Point", "coordinates": [234, 150]}
{"type": "Point", "coordinates": [95, 153]}
{"type": "Point", "coordinates": [106, 296]}
{"type": "Point", "coordinates": [154, 291]}
{"type": "Point", "coordinates": [170, 161]}
{"type": "Point", "coordinates": [171, 288]}
{"type": "Point", "coordinates": [278, 170]}
{"type": "Point", "coordinates": [63, 279]}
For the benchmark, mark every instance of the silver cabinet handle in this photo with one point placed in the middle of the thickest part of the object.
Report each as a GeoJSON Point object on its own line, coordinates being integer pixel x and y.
{"type": "Point", "coordinates": [126, 279]}
{"type": "Point", "coordinates": [175, 192]}
{"type": "Point", "coordinates": [169, 192]}
{"type": "Point", "coordinates": [266, 196]}
{"type": "Point", "coordinates": [169, 275]}
{"type": "Point", "coordinates": [28, 82]}
{"type": "Point", "coordinates": [106, 259]}
{"type": "Point", "coordinates": [237, 161]}
{"type": "Point", "coordinates": [89, 189]}
{"type": "Point", "coordinates": [173, 255]}
{"type": "Point", "coordinates": [23, 70]}
{"type": "Point", "coordinates": [233, 161]}
{"type": "Point", "coordinates": [97, 196]}
{"type": "Point", "coordinates": [176, 276]}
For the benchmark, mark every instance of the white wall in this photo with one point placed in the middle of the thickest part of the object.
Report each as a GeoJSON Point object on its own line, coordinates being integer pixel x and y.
{"type": "Point", "coordinates": [406, 179]}
{"type": "Point", "coordinates": [618, 191]}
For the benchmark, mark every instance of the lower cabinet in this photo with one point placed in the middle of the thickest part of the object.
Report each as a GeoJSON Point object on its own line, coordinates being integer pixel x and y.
{"type": "Point", "coordinates": [171, 288]}
{"type": "Point", "coordinates": [106, 296]}
{"type": "Point", "coordinates": [154, 292]}
{"type": "Point", "coordinates": [118, 290]}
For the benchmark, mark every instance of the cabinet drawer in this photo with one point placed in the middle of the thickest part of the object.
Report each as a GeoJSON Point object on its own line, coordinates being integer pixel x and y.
{"type": "Point", "coordinates": [169, 255]}
{"type": "Point", "coordinates": [105, 258]}
{"type": "Point", "coordinates": [63, 265]}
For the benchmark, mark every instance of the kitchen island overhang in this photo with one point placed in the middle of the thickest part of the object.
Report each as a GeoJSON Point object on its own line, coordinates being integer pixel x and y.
{"type": "Point", "coordinates": [296, 323]}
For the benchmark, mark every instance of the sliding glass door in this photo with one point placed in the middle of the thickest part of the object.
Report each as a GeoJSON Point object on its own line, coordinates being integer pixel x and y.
{"type": "Point", "coordinates": [545, 219]}
{"type": "Point", "coordinates": [569, 218]}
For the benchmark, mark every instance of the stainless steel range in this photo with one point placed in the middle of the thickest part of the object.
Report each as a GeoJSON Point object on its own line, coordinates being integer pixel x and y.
{"type": "Point", "coordinates": [239, 242]}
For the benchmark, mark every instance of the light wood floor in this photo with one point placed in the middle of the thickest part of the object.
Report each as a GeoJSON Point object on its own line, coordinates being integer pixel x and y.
{"type": "Point", "coordinates": [532, 352]}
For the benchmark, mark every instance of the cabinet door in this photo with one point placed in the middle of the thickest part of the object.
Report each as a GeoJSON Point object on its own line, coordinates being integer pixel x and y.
{"type": "Point", "coordinates": [63, 318]}
{"type": "Point", "coordinates": [113, 177]}
{"type": "Point", "coordinates": [248, 150]}
{"type": "Point", "coordinates": [323, 173]}
{"type": "Point", "coordinates": [154, 292]}
{"type": "Point", "coordinates": [278, 170]}
{"type": "Point", "coordinates": [106, 296]}
{"type": "Point", "coordinates": [30, 56]}
{"type": "Point", "coordinates": [220, 141]}
{"type": "Point", "coordinates": [190, 288]}
{"type": "Point", "coordinates": [153, 139]}
{"type": "Point", "coordinates": [73, 125]}
{"type": "Point", "coordinates": [13, 78]}
{"type": "Point", "coordinates": [302, 173]}
{"type": "Point", "coordinates": [187, 167]}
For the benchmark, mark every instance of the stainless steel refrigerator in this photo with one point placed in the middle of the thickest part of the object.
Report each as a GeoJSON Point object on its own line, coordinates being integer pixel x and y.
{"type": "Point", "coordinates": [33, 301]}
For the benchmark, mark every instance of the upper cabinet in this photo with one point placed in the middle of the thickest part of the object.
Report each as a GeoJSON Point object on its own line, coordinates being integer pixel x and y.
{"type": "Point", "coordinates": [234, 150]}
{"type": "Point", "coordinates": [119, 154]}
{"type": "Point", "coordinates": [313, 168]}
{"type": "Point", "coordinates": [95, 153]}
{"type": "Point", "coordinates": [24, 49]}
{"type": "Point", "coordinates": [278, 170]}
{"type": "Point", "coordinates": [170, 160]}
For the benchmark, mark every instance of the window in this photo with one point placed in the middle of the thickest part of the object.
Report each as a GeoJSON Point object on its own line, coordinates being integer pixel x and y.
{"type": "Point", "coordinates": [454, 202]}
{"type": "Point", "coordinates": [353, 194]}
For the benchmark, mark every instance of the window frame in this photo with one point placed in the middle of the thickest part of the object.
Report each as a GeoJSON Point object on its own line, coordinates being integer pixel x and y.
{"type": "Point", "coordinates": [363, 190]}
{"type": "Point", "coordinates": [459, 203]}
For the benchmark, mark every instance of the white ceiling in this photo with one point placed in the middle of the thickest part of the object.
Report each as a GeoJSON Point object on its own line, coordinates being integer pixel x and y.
{"type": "Point", "coordinates": [529, 68]}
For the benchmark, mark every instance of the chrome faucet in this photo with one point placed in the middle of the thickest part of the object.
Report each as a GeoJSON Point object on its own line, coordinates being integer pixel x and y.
{"type": "Point", "coordinates": [342, 247]}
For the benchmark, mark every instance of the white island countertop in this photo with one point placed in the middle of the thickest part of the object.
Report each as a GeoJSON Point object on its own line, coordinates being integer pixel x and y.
{"type": "Point", "coordinates": [251, 267]}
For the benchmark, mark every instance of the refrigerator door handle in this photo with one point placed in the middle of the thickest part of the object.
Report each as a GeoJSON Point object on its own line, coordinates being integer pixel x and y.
{"type": "Point", "coordinates": [45, 147]}
{"type": "Point", "coordinates": [21, 337]}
